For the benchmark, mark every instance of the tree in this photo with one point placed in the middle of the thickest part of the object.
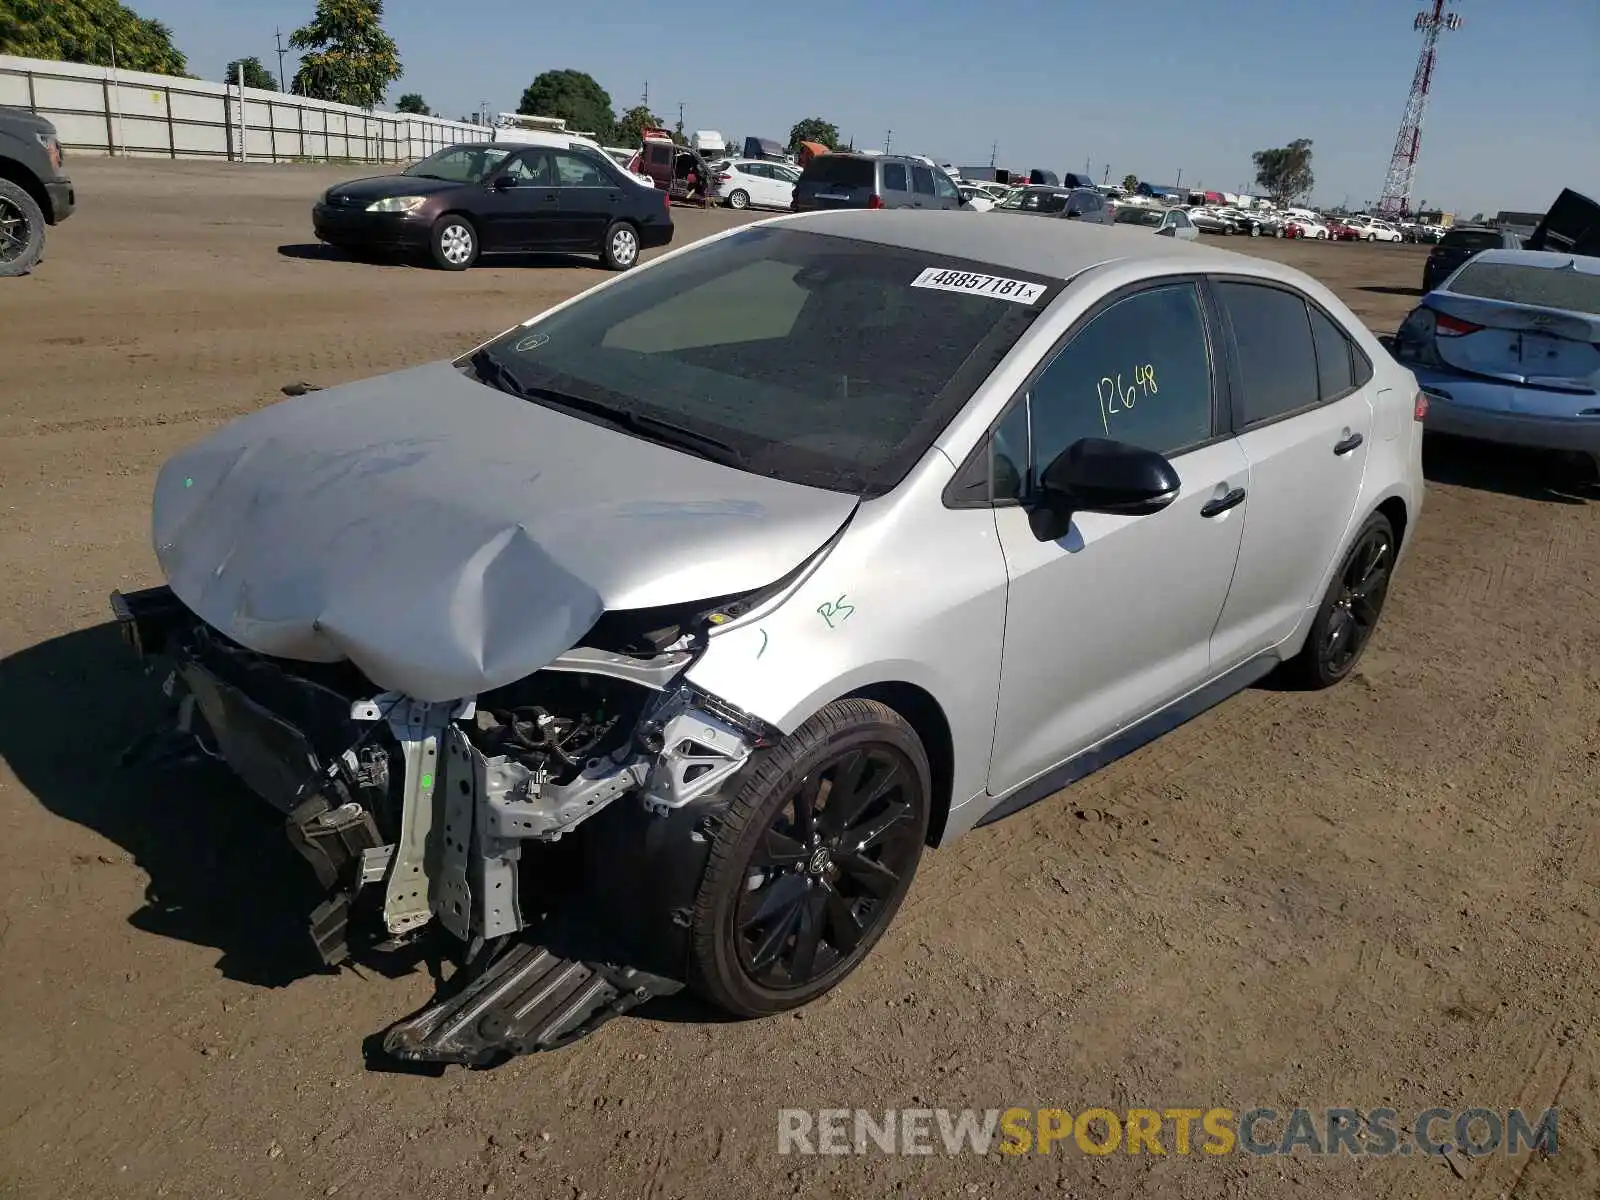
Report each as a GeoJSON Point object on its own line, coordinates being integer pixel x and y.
{"type": "Point", "coordinates": [632, 124]}
{"type": "Point", "coordinates": [575, 97]}
{"type": "Point", "coordinates": [1130, 183]}
{"type": "Point", "coordinates": [814, 129]}
{"type": "Point", "coordinates": [255, 75]}
{"type": "Point", "coordinates": [1285, 173]}
{"type": "Point", "coordinates": [94, 32]}
{"type": "Point", "coordinates": [349, 59]}
{"type": "Point", "coordinates": [412, 102]}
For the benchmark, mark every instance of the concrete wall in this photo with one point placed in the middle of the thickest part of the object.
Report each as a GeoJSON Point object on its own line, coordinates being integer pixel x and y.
{"type": "Point", "coordinates": [97, 110]}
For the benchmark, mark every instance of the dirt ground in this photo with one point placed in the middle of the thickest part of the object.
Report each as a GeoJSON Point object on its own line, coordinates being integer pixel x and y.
{"type": "Point", "coordinates": [1386, 894]}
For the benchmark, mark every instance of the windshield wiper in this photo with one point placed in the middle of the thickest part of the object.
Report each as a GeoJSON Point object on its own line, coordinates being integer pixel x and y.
{"type": "Point", "coordinates": [497, 374]}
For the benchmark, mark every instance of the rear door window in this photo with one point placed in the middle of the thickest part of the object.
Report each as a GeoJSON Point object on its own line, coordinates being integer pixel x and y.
{"type": "Point", "coordinates": [894, 177]}
{"type": "Point", "coordinates": [1334, 356]}
{"type": "Point", "coordinates": [1277, 360]}
{"type": "Point", "coordinates": [922, 180]}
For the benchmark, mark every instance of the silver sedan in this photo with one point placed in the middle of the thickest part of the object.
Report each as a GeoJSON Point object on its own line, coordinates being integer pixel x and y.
{"type": "Point", "coordinates": [652, 642]}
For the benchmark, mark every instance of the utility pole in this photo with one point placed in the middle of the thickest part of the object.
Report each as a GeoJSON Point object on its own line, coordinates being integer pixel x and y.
{"type": "Point", "coordinates": [645, 99]}
{"type": "Point", "coordinates": [680, 116]}
{"type": "Point", "coordinates": [1177, 183]}
{"type": "Point", "coordinates": [994, 153]}
{"type": "Point", "coordinates": [888, 140]}
{"type": "Point", "coordinates": [1106, 178]}
{"type": "Point", "coordinates": [277, 36]}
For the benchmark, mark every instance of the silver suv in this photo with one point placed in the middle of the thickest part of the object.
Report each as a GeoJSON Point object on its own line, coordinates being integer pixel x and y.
{"type": "Point", "coordinates": [873, 181]}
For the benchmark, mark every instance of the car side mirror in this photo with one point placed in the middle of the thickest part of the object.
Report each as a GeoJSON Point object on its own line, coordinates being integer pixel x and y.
{"type": "Point", "coordinates": [1104, 476]}
{"type": "Point", "coordinates": [501, 183]}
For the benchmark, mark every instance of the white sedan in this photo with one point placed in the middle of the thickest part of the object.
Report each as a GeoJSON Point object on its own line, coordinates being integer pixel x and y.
{"type": "Point", "coordinates": [750, 183]}
{"type": "Point", "coordinates": [1374, 230]}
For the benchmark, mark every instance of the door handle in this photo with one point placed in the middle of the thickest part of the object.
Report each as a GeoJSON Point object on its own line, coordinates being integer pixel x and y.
{"type": "Point", "coordinates": [1349, 444]}
{"type": "Point", "coordinates": [1222, 503]}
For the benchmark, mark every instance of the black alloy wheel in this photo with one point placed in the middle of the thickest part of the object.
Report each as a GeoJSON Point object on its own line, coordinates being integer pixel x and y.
{"type": "Point", "coordinates": [1350, 610]}
{"type": "Point", "coordinates": [21, 230]}
{"type": "Point", "coordinates": [831, 856]}
{"type": "Point", "coordinates": [812, 860]}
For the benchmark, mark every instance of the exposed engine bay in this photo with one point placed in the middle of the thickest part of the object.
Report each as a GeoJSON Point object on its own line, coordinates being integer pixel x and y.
{"type": "Point", "coordinates": [421, 815]}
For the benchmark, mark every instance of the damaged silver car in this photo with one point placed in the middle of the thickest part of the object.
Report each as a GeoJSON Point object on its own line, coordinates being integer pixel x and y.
{"type": "Point", "coordinates": [648, 644]}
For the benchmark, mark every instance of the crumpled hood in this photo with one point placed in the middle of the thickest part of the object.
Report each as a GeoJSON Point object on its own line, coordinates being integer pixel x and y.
{"type": "Point", "coordinates": [448, 538]}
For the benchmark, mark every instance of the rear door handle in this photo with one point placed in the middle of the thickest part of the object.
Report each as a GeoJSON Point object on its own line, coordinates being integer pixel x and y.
{"type": "Point", "coordinates": [1349, 444]}
{"type": "Point", "coordinates": [1222, 503]}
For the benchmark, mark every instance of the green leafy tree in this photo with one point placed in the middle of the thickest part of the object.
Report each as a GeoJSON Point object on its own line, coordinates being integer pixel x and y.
{"type": "Point", "coordinates": [1130, 183]}
{"type": "Point", "coordinates": [348, 57]}
{"type": "Point", "coordinates": [412, 102]}
{"type": "Point", "coordinates": [632, 124]}
{"type": "Point", "coordinates": [814, 129]}
{"type": "Point", "coordinates": [575, 97]}
{"type": "Point", "coordinates": [255, 74]}
{"type": "Point", "coordinates": [1285, 173]}
{"type": "Point", "coordinates": [94, 32]}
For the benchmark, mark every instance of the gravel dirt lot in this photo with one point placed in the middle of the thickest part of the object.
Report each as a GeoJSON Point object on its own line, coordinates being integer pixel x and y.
{"type": "Point", "coordinates": [1383, 895]}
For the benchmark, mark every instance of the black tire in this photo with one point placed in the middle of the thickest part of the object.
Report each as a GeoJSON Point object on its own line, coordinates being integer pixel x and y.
{"type": "Point", "coordinates": [1349, 610]}
{"type": "Point", "coordinates": [21, 230]}
{"type": "Point", "coordinates": [738, 198]}
{"type": "Point", "coordinates": [454, 242]}
{"type": "Point", "coordinates": [749, 944]}
{"type": "Point", "coordinates": [1372, 237]}
{"type": "Point", "coordinates": [620, 248]}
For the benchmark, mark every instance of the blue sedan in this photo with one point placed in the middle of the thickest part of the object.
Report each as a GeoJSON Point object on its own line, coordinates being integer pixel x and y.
{"type": "Point", "coordinates": [1507, 349]}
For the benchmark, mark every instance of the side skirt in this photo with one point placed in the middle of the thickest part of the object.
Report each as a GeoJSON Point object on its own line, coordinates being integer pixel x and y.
{"type": "Point", "coordinates": [1141, 732]}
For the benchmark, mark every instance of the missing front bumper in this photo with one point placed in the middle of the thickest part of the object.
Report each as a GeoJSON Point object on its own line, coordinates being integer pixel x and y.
{"type": "Point", "coordinates": [403, 819]}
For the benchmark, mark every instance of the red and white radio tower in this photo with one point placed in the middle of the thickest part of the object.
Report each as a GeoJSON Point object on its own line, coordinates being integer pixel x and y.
{"type": "Point", "coordinates": [1396, 197]}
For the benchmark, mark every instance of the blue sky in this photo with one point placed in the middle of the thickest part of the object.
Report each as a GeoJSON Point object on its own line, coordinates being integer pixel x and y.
{"type": "Point", "coordinates": [1147, 88]}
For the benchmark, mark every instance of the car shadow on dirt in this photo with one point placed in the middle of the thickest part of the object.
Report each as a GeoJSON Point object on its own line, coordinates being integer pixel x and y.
{"type": "Point", "coordinates": [220, 871]}
{"type": "Point", "coordinates": [1378, 290]}
{"type": "Point", "coordinates": [1509, 470]}
{"type": "Point", "coordinates": [319, 252]}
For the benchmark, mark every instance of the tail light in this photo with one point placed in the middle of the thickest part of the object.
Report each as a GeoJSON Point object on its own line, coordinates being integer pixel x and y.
{"type": "Point", "coordinates": [1419, 406]}
{"type": "Point", "coordinates": [724, 177]}
{"type": "Point", "coordinates": [666, 201]}
{"type": "Point", "coordinates": [1445, 325]}
{"type": "Point", "coordinates": [874, 201]}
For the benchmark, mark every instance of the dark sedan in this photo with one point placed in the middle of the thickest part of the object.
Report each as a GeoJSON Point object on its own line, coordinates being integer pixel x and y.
{"type": "Point", "coordinates": [1460, 244]}
{"type": "Point", "coordinates": [488, 198]}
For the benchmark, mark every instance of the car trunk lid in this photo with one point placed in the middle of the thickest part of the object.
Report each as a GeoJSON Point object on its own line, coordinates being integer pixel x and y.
{"type": "Point", "coordinates": [1518, 343]}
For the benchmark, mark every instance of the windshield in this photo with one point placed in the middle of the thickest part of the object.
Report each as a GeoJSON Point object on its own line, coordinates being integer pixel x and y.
{"type": "Point", "coordinates": [461, 164]}
{"type": "Point", "coordinates": [819, 360]}
{"type": "Point", "coordinates": [1138, 216]}
{"type": "Point", "coordinates": [1521, 283]}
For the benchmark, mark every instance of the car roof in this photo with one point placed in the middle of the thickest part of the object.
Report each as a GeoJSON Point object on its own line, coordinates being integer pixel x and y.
{"type": "Point", "coordinates": [1058, 249]}
{"type": "Point", "coordinates": [1549, 259]}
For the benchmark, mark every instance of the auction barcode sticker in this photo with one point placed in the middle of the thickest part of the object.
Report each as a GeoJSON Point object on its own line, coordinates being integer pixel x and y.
{"type": "Point", "coordinates": [943, 279]}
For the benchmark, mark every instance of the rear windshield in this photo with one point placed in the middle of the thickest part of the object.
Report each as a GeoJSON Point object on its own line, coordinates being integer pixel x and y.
{"type": "Point", "coordinates": [1471, 239]}
{"type": "Point", "coordinates": [842, 172]}
{"type": "Point", "coordinates": [820, 360]}
{"type": "Point", "coordinates": [1519, 283]}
